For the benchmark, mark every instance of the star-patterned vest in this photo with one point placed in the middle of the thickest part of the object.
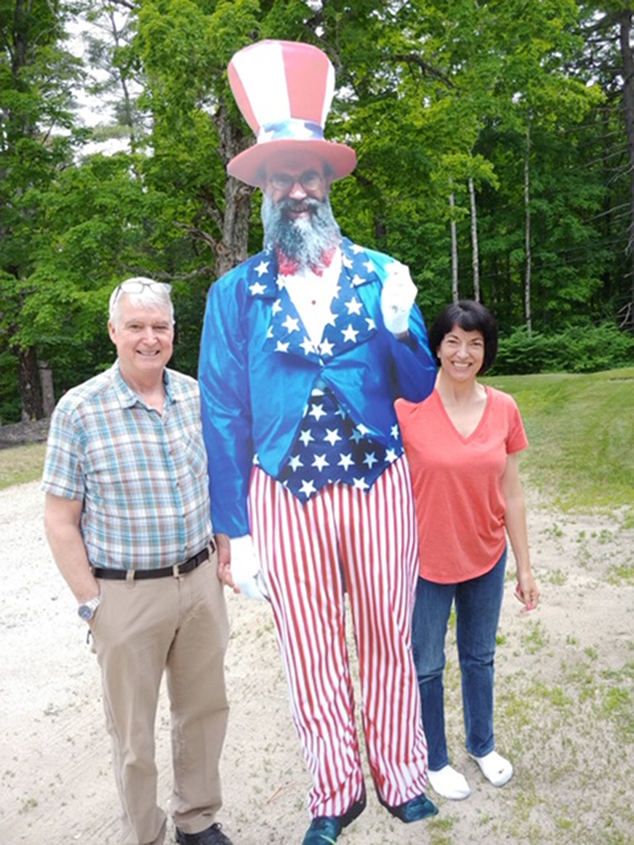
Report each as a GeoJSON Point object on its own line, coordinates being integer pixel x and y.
{"type": "Point", "coordinates": [330, 446]}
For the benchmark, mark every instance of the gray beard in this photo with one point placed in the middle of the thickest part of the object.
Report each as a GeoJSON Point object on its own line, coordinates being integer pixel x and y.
{"type": "Point", "coordinates": [303, 241]}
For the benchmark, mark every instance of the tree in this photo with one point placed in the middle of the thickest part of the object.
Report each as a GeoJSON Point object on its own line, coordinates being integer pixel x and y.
{"type": "Point", "coordinates": [624, 20]}
{"type": "Point", "coordinates": [36, 79]}
{"type": "Point", "coordinates": [493, 105]}
{"type": "Point", "coordinates": [117, 82]}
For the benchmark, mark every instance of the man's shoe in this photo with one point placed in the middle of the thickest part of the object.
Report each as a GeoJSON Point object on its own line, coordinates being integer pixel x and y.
{"type": "Point", "coordinates": [413, 810]}
{"type": "Point", "coordinates": [354, 811]}
{"type": "Point", "coordinates": [324, 830]}
{"type": "Point", "coordinates": [210, 836]}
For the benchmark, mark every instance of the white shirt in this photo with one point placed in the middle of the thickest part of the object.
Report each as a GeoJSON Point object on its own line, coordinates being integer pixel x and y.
{"type": "Point", "coordinates": [312, 294]}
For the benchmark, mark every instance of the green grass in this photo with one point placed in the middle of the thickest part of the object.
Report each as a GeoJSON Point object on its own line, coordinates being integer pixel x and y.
{"type": "Point", "coordinates": [581, 433]}
{"type": "Point", "coordinates": [21, 464]}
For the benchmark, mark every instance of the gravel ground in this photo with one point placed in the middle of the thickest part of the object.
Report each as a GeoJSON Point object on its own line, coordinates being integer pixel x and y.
{"type": "Point", "coordinates": [564, 709]}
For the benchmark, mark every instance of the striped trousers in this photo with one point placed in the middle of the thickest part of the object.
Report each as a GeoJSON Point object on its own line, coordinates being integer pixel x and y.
{"type": "Point", "coordinates": [363, 543]}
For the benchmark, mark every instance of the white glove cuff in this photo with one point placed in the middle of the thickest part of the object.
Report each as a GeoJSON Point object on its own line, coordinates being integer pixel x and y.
{"type": "Point", "coordinates": [245, 568]}
{"type": "Point", "coordinates": [397, 323]}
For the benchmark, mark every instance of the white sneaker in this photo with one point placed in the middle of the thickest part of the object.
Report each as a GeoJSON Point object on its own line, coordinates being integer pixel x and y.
{"type": "Point", "coordinates": [495, 768]}
{"type": "Point", "coordinates": [449, 783]}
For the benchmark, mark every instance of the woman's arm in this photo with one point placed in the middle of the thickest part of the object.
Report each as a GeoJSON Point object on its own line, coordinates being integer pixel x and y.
{"type": "Point", "coordinates": [527, 590]}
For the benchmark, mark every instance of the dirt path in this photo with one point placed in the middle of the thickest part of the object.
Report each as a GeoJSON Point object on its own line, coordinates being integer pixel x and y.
{"type": "Point", "coordinates": [565, 708]}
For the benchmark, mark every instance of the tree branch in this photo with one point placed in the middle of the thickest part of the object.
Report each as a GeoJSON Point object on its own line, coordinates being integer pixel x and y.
{"type": "Point", "coordinates": [199, 235]}
{"type": "Point", "coordinates": [200, 272]}
{"type": "Point", "coordinates": [127, 4]}
{"type": "Point", "coordinates": [427, 69]}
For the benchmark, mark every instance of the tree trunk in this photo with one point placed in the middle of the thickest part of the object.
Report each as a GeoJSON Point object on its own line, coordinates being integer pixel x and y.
{"type": "Point", "coordinates": [30, 387]}
{"type": "Point", "coordinates": [454, 250]}
{"type": "Point", "coordinates": [128, 109]}
{"type": "Point", "coordinates": [527, 234]}
{"type": "Point", "coordinates": [607, 213]}
{"type": "Point", "coordinates": [234, 246]}
{"type": "Point", "coordinates": [48, 392]}
{"type": "Point", "coordinates": [475, 258]}
{"type": "Point", "coordinates": [625, 27]}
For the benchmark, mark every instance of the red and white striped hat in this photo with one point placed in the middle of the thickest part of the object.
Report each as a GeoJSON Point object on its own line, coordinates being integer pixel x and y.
{"type": "Point", "coordinates": [284, 90]}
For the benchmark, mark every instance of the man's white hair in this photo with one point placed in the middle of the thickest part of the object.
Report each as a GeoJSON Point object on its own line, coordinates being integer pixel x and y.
{"type": "Point", "coordinates": [155, 298]}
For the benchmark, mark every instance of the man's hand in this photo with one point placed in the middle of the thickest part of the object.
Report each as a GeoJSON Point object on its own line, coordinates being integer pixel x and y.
{"type": "Point", "coordinates": [397, 297]}
{"type": "Point", "coordinates": [223, 544]}
{"type": "Point", "coordinates": [242, 572]}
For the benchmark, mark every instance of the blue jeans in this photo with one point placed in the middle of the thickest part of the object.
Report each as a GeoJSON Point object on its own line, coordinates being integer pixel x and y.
{"type": "Point", "coordinates": [478, 604]}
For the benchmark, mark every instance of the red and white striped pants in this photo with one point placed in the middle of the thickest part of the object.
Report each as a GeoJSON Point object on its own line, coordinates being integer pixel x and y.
{"type": "Point", "coordinates": [364, 543]}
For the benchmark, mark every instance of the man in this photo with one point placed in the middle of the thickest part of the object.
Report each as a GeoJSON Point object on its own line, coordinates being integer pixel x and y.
{"type": "Point", "coordinates": [127, 519]}
{"type": "Point", "coordinates": [304, 349]}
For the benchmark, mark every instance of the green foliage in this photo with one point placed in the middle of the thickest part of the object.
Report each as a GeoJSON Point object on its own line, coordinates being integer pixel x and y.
{"type": "Point", "coordinates": [430, 93]}
{"type": "Point", "coordinates": [577, 349]}
{"type": "Point", "coordinates": [10, 405]}
{"type": "Point", "coordinates": [36, 92]}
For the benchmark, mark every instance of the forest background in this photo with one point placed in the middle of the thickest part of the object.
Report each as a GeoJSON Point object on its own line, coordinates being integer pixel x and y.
{"type": "Point", "coordinates": [495, 143]}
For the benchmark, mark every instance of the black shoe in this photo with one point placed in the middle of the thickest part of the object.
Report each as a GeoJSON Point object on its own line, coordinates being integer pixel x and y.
{"type": "Point", "coordinates": [413, 810]}
{"type": "Point", "coordinates": [324, 830]}
{"type": "Point", "coordinates": [210, 836]}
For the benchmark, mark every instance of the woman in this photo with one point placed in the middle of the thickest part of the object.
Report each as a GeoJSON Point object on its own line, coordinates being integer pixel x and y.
{"type": "Point", "coordinates": [462, 444]}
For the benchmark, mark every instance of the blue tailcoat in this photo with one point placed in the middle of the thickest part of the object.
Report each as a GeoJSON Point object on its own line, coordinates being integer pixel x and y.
{"type": "Point", "coordinates": [255, 379]}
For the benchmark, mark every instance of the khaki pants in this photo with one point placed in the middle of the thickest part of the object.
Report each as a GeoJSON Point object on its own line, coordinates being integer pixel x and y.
{"type": "Point", "coordinates": [141, 629]}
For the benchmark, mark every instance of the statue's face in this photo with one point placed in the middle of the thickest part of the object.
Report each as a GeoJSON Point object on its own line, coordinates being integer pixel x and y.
{"type": "Point", "coordinates": [296, 177]}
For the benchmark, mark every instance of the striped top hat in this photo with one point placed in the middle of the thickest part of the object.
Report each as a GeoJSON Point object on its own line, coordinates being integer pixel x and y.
{"type": "Point", "coordinates": [284, 90]}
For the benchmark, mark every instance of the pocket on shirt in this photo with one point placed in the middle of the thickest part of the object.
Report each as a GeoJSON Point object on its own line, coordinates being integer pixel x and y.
{"type": "Point", "coordinates": [195, 456]}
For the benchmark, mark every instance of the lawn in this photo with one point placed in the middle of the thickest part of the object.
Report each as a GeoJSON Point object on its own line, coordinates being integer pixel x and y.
{"type": "Point", "coordinates": [20, 464]}
{"type": "Point", "coordinates": [581, 433]}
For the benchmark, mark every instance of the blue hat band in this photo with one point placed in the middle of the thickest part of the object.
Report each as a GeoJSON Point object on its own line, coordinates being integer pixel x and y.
{"type": "Point", "coordinates": [290, 130]}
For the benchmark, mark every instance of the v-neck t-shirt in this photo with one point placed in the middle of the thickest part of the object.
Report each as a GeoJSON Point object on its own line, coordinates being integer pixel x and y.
{"type": "Point", "coordinates": [457, 483]}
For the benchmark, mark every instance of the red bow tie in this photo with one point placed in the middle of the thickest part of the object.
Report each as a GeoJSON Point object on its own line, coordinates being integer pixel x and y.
{"type": "Point", "coordinates": [290, 266]}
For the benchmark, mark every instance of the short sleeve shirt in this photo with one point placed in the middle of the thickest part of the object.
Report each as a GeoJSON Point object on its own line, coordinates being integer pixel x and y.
{"type": "Point", "coordinates": [457, 484]}
{"type": "Point", "coordinates": [141, 475]}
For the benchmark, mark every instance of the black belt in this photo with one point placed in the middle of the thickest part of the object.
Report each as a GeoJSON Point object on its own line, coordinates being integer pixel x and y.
{"type": "Point", "coordinates": [165, 572]}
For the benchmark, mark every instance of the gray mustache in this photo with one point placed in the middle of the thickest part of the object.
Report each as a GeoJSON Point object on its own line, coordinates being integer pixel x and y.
{"type": "Point", "coordinates": [308, 204]}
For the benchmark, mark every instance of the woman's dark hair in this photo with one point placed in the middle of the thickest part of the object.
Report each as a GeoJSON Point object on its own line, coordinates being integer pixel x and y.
{"type": "Point", "coordinates": [471, 317]}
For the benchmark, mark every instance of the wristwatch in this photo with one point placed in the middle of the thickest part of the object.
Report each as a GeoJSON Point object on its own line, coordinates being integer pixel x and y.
{"type": "Point", "coordinates": [87, 611]}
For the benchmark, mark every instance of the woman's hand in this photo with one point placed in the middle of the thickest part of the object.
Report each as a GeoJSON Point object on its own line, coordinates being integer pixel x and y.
{"type": "Point", "coordinates": [527, 591]}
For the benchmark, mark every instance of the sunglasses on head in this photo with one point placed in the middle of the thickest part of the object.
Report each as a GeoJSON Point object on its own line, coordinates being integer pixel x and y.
{"type": "Point", "coordinates": [137, 286]}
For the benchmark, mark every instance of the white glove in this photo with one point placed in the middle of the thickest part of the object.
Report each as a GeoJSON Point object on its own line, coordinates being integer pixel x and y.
{"type": "Point", "coordinates": [245, 568]}
{"type": "Point", "coordinates": [397, 297]}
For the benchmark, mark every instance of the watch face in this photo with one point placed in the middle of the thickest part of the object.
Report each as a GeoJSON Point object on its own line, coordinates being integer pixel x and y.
{"type": "Point", "coordinates": [85, 612]}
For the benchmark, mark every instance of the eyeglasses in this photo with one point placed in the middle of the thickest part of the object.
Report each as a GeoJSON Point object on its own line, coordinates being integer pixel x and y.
{"type": "Point", "coordinates": [137, 285]}
{"type": "Point", "coordinates": [310, 180]}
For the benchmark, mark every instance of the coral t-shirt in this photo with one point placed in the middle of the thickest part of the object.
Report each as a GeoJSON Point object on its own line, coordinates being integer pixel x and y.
{"type": "Point", "coordinates": [460, 506]}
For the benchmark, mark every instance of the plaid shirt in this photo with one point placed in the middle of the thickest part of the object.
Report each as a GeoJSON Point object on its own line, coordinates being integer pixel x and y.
{"type": "Point", "coordinates": [142, 476]}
